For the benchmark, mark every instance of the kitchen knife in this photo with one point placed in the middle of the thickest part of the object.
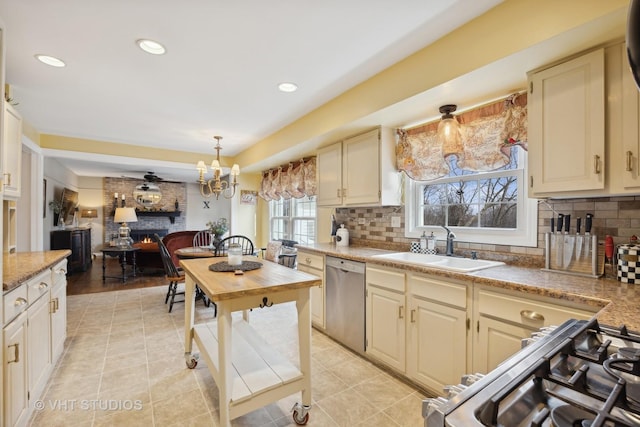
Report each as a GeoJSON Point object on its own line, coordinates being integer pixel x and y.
{"type": "Point", "coordinates": [567, 243]}
{"type": "Point", "coordinates": [559, 240]}
{"type": "Point", "coordinates": [579, 238]}
{"type": "Point", "coordinates": [587, 235]}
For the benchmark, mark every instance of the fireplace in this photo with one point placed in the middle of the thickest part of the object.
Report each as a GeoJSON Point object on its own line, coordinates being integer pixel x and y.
{"type": "Point", "coordinates": [146, 235]}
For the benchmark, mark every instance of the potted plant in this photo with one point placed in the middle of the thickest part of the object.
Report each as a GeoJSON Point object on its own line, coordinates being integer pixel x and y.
{"type": "Point", "coordinates": [217, 229]}
{"type": "Point", "coordinates": [56, 207]}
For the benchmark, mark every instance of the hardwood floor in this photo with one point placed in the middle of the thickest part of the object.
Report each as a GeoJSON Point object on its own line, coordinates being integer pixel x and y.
{"type": "Point", "coordinates": [90, 281]}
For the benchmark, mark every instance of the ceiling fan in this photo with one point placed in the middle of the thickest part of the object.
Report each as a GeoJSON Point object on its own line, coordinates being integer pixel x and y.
{"type": "Point", "coordinates": [151, 177]}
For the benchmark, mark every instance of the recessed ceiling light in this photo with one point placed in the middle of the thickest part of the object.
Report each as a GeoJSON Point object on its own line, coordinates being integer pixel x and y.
{"type": "Point", "coordinates": [50, 60]}
{"type": "Point", "coordinates": [288, 87]}
{"type": "Point", "coordinates": [151, 47]}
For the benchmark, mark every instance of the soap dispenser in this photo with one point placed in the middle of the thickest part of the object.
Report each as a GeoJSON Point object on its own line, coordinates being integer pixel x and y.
{"type": "Point", "coordinates": [431, 244]}
{"type": "Point", "coordinates": [423, 241]}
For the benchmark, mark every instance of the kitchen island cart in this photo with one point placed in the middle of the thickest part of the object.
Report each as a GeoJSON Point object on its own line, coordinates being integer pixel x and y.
{"type": "Point", "coordinates": [248, 372]}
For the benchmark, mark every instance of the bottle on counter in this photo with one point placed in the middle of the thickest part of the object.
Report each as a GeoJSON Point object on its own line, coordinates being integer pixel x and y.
{"type": "Point", "coordinates": [431, 244]}
{"type": "Point", "coordinates": [423, 241]}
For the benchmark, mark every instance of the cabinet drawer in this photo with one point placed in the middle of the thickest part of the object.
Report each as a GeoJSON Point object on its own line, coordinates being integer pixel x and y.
{"type": "Point", "coordinates": [388, 279]}
{"type": "Point", "coordinates": [454, 294]}
{"type": "Point", "coordinates": [15, 302]}
{"type": "Point", "coordinates": [59, 272]}
{"type": "Point", "coordinates": [311, 260]}
{"type": "Point", "coordinates": [38, 286]}
{"type": "Point", "coordinates": [526, 312]}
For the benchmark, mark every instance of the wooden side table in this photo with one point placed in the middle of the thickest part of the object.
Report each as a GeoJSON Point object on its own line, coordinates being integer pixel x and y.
{"type": "Point", "coordinates": [122, 253]}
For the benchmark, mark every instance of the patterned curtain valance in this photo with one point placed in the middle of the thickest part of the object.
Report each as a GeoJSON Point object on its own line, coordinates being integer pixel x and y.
{"type": "Point", "coordinates": [297, 180]}
{"type": "Point", "coordinates": [488, 133]}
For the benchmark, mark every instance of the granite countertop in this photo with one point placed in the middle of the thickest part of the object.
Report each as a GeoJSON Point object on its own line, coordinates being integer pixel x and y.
{"type": "Point", "coordinates": [21, 266]}
{"type": "Point", "coordinates": [617, 303]}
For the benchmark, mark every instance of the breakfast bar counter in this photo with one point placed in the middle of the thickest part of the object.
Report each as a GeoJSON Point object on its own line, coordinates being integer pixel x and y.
{"type": "Point", "coordinates": [248, 372]}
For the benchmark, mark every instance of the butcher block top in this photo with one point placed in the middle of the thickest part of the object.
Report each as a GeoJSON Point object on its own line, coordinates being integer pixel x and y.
{"type": "Point", "coordinates": [271, 276]}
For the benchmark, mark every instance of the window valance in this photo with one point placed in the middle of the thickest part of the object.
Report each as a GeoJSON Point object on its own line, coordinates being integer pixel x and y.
{"type": "Point", "coordinates": [488, 133]}
{"type": "Point", "coordinates": [297, 180]}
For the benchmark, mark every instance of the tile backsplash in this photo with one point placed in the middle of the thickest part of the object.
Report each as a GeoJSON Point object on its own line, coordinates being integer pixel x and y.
{"type": "Point", "coordinates": [615, 216]}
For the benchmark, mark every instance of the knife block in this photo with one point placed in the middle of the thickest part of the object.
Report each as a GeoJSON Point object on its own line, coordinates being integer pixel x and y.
{"type": "Point", "coordinates": [589, 266]}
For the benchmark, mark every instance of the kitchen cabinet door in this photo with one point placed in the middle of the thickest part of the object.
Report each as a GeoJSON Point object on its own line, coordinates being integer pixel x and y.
{"type": "Point", "coordinates": [12, 152]}
{"type": "Point", "coordinates": [361, 169]}
{"type": "Point", "coordinates": [567, 126]}
{"type": "Point", "coordinates": [496, 341]}
{"type": "Point", "coordinates": [628, 163]}
{"type": "Point", "coordinates": [58, 319]}
{"type": "Point", "coordinates": [15, 382]}
{"type": "Point", "coordinates": [314, 264]}
{"type": "Point", "coordinates": [330, 175]}
{"type": "Point", "coordinates": [39, 335]}
{"type": "Point", "coordinates": [385, 324]}
{"type": "Point", "coordinates": [436, 366]}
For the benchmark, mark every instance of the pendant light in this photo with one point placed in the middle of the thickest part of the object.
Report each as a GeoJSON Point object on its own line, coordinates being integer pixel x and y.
{"type": "Point", "coordinates": [449, 134]}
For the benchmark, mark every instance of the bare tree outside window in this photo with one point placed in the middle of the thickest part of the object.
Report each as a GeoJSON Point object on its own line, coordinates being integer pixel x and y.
{"type": "Point", "coordinates": [473, 199]}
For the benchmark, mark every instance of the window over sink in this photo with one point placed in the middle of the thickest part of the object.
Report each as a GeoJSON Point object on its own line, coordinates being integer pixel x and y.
{"type": "Point", "coordinates": [479, 206]}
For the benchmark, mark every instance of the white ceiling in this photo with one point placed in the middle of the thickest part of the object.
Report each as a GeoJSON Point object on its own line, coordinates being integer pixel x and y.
{"type": "Point", "coordinates": [223, 63]}
{"type": "Point", "coordinates": [220, 74]}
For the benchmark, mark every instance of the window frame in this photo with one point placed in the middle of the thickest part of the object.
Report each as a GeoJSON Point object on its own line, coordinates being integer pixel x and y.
{"type": "Point", "coordinates": [525, 235]}
{"type": "Point", "coordinates": [290, 221]}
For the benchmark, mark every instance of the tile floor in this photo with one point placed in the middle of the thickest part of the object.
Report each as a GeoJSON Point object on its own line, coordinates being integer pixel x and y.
{"type": "Point", "coordinates": [123, 365]}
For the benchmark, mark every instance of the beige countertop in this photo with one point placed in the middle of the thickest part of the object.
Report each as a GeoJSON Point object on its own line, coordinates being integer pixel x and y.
{"type": "Point", "coordinates": [21, 266]}
{"type": "Point", "coordinates": [619, 303]}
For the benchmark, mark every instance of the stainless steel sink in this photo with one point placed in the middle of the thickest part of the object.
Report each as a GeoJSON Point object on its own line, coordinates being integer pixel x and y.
{"type": "Point", "coordinates": [463, 265]}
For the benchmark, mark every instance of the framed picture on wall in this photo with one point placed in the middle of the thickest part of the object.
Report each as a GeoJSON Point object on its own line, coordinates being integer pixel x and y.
{"type": "Point", "coordinates": [248, 197]}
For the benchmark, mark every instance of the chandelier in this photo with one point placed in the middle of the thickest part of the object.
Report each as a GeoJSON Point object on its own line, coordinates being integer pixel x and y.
{"type": "Point", "coordinates": [216, 185]}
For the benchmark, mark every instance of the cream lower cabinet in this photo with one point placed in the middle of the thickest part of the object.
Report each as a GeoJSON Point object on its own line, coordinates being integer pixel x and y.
{"type": "Point", "coordinates": [314, 264]}
{"type": "Point", "coordinates": [33, 340]}
{"type": "Point", "coordinates": [503, 319]}
{"type": "Point", "coordinates": [15, 386]}
{"type": "Point", "coordinates": [385, 316]}
{"type": "Point", "coordinates": [437, 331]}
{"type": "Point", "coordinates": [58, 305]}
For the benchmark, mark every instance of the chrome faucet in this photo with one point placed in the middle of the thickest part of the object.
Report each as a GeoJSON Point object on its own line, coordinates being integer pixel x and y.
{"type": "Point", "coordinates": [450, 237]}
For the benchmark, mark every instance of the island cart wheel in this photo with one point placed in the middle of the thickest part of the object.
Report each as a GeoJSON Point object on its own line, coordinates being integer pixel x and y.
{"type": "Point", "coordinates": [300, 414]}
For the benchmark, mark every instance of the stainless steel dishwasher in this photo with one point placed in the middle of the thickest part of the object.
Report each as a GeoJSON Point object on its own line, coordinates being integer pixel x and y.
{"type": "Point", "coordinates": [345, 303]}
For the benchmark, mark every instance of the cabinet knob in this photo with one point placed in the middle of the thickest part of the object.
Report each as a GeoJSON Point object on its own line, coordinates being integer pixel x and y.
{"type": "Point", "coordinates": [413, 316]}
{"type": "Point", "coordinates": [19, 302]}
{"type": "Point", "coordinates": [307, 260]}
{"type": "Point", "coordinates": [629, 161]}
{"type": "Point", "coordinates": [7, 181]}
{"type": "Point", "coordinates": [43, 285]}
{"type": "Point", "coordinates": [401, 312]}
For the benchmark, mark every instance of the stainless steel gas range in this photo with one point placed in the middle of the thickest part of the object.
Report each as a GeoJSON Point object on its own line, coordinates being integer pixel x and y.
{"type": "Point", "coordinates": [576, 374]}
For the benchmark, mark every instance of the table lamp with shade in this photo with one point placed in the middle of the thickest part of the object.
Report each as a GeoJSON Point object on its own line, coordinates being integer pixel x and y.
{"type": "Point", "coordinates": [89, 213]}
{"type": "Point", "coordinates": [123, 216]}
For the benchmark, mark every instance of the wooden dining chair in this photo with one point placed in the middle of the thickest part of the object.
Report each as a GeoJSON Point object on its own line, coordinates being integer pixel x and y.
{"type": "Point", "coordinates": [202, 238]}
{"type": "Point", "coordinates": [174, 276]}
{"type": "Point", "coordinates": [223, 245]}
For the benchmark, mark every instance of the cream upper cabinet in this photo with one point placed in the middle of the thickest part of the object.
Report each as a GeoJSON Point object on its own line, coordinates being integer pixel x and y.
{"type": "Point", "coordinates": [566, 110]}
{"type": "Point", "coordinates": [330, 175]}
{"type": "Point", "coordinates": [628, 156]}
{"type": "Point", "coordinates": [11, 152]}
{"type": "Point", "coordinates": [359, 171]}
{"type": "Point", "coordinates": [437, 314]}
{"type": "Point", "coordinates": [386, 316]}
